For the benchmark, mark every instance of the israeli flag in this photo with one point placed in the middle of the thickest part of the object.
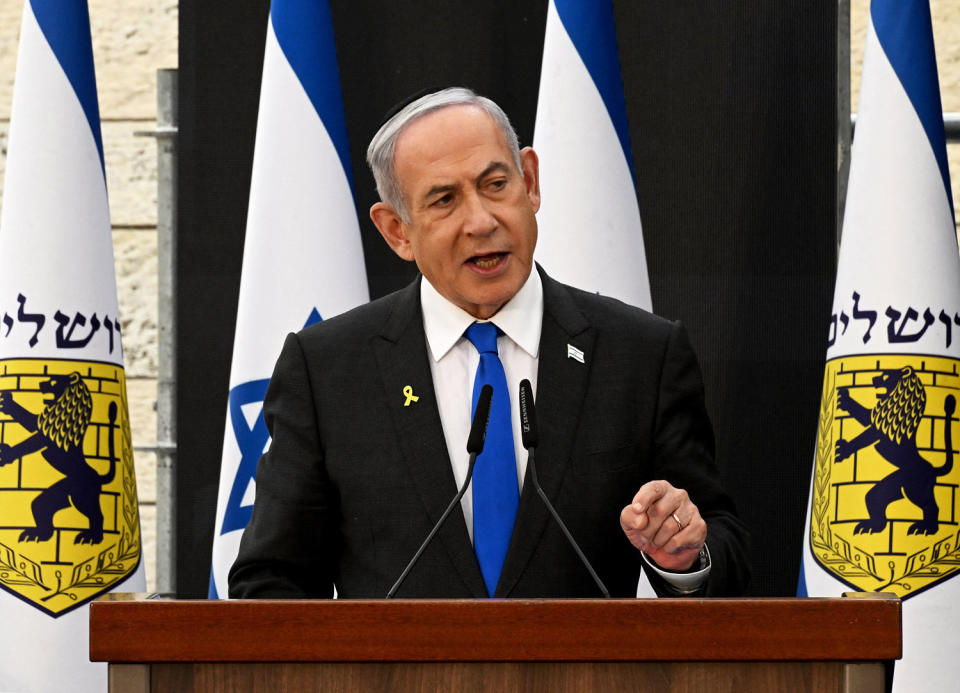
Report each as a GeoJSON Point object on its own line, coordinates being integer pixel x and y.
{"type": "Point", "coordinates": [590, 234]}
{"type": "Point", "coordinates": [302, 259]}
{"type": "Point", "coordinates": [60, 545]}
{"type": "Point", "coordinates": [883, 513]}
{"type": "Point", "coordinates": [589, 221]}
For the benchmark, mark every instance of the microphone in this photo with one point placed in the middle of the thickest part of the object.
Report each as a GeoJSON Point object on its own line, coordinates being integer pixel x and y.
{"type": "Point", "coordinates": [481, 417]}
{"type": "Point", "coordinates": [475, 441]}
{"type": "Point", "coordinates": [528, 433]}
{"type": "Point", "coordinates": [528, 417]}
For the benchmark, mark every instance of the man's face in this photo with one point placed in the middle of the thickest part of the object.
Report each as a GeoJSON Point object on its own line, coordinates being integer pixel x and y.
{"type": "Point", "coordinates": [471, 228]}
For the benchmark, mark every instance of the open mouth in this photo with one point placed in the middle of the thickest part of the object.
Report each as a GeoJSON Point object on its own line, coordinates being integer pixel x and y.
{"type": "Point", "coordinates": [486, 262]}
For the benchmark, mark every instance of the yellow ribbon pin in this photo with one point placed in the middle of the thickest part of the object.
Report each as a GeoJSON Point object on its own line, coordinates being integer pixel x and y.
{"type": "Point", "coordinates": [408, 393]}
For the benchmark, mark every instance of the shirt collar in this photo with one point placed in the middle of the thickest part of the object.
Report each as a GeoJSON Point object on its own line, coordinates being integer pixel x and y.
{"type": "Point", "coordinates": [521, 318]}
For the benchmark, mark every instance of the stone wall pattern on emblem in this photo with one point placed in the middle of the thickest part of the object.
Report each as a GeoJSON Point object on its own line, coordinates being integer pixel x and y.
{"type": "Point", "coordinates": [885, 514]}
{"type": "Point", "coordinates": [69, 527]}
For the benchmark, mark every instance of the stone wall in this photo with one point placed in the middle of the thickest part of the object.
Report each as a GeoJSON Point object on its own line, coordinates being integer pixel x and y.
{"type": "Point", "coordinates": [131, 40]}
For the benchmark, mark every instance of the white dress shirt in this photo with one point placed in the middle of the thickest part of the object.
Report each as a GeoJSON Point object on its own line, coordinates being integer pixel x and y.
{"type": "Point", "coordinates": [453, 364]}
{"type": "Point", "coordinates": [454, 360]}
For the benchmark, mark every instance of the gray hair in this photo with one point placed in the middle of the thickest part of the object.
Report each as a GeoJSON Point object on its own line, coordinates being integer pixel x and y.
{"type": "Point", "coordinates": [381, 150]}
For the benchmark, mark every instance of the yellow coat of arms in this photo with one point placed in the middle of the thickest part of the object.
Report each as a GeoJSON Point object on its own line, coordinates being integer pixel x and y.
{"type": "Point", "coordinates": [69, 526]}
{"type": "Point", "coordinates": [884, 515]}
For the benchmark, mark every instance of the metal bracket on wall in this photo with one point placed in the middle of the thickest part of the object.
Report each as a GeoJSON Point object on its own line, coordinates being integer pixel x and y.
{"type": "Point", "coordinates": [166, 447]}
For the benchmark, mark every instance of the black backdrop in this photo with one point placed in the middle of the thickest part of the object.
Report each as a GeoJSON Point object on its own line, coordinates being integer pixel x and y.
{"type": "Point", "coordinates": [732, 119]}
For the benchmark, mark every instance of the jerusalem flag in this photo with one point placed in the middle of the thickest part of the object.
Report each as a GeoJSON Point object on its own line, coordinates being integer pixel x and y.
{"type": "Point", "coordinates": [69, 522]}
{"type": "Point", "coordinates": [302, 258]}
{"type": "Point", "coordinates": [884, 512]}
{"type": "Point", "coordinates": [593, 241]}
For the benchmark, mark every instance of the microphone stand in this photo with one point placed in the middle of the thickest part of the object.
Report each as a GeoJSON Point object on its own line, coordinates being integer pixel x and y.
{"type": "Point", "coordinates": [528, 431]}
{"type": "Point", "coordinates": [531, 463]}
{"type": "Point", "coordinates": [436, 527]}
{"type": "Point", "coordinates": [475, 441]}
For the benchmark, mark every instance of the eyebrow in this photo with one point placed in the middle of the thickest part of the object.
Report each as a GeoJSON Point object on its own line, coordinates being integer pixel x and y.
{"type": "Point", "coordinates": [438, 189]}
{"type": "Point", "coordinates": [492, 167]}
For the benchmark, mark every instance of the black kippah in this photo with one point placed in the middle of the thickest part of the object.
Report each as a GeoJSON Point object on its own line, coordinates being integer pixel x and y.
{"type": "Point", "coordinates": [400, 105]}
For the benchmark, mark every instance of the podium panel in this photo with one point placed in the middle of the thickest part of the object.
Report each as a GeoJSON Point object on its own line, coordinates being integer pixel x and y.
{"type": "Point", "coordinates": [530, 645]}
{"type": "Point", "coordinates": [718, 677]}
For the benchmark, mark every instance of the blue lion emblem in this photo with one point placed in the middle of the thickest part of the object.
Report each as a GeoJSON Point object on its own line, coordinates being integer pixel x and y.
{"type": "Point", "coordinates": [58, 432]}
{"type": "Point", "coordinates": [892, 425]}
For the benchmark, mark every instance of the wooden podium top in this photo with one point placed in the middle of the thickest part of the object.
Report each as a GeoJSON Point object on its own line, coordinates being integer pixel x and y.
{"type": "Point", "coordinates": [147, 630]}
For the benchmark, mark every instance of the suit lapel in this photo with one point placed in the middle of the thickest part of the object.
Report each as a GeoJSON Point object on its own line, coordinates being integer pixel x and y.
{"type": "Point", "coordinates": [401, 354]}
{"type": "Point", "coordinates": [561, 387]}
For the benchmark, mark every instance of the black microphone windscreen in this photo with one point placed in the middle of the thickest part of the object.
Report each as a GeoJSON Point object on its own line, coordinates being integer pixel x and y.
{"type": "Point", "coordinates": [481, 416]}
{"type": "Point", "coordinates": [528, 415]}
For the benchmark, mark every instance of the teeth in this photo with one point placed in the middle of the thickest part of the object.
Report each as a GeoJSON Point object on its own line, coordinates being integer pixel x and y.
{"type": "Point", "coordinates": [486, 263]}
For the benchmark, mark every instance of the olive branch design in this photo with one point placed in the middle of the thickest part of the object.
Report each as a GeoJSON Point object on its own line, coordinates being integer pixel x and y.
{"type": "Point", "coordinates": [19, 571]}
{"type": "Point", "coordinates": [931, 562]}
{"type": "Point", "coordinates": [98, 571]}
{"type": "Point", "coordinates": [821, 477]}
{"type": "Point", "coordinates": [832, 551]}
{"type": "Point", "coordinates": [131, 513]}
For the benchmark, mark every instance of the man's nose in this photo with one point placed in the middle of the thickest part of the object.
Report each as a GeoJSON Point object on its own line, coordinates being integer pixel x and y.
{"type": "Point", "coordinates": [477, 216]}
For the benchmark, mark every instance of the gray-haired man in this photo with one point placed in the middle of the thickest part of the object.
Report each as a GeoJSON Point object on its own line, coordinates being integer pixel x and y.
{"type": "Point", "coordinates": [369, 412]}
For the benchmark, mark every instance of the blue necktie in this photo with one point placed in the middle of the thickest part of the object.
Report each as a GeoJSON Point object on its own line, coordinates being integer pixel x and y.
{"type": "Point", "coordinates": [495, 492]}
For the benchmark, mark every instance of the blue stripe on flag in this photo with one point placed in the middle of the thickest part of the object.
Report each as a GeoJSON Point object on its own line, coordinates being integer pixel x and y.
{"type": "Point", "coordinates": [66, 26]}
{"type": "Point", "coordinates": [304, 30]}
{"type": "Point", "coordinates": [905, 32]}
{"type": "Point", "coordinates": [591, 27]}
{"type": "Point", "coordinates": [802, 580]}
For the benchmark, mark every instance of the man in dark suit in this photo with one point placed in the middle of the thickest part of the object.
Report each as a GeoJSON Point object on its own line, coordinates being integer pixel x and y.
{"type": "Point", "coordinates": [369, 411]}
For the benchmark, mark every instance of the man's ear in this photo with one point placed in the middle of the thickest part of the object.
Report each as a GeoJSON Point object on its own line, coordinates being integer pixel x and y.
{"type": "Point", "coordinates": [392, 228]}
{"type": "Point", "coordinates": [531, 176]}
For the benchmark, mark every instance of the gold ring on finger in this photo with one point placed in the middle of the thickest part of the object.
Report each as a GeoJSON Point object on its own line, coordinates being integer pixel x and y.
{"type": "Point", "coordinates": [679, 524]}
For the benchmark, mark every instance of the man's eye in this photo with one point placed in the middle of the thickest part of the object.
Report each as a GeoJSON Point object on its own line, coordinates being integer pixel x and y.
{"type": "Point", "coordinates": [498, 184]}
{"type": "Point", "coordinates": [443, 201]}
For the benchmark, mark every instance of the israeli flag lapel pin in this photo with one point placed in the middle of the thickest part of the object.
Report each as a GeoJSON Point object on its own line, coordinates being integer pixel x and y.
{"type": "Point", "coordinates": [574, 353]}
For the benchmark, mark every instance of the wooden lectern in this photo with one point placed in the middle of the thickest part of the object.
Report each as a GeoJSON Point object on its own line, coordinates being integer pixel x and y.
{"type": "Point", "coordinates": [496, 645]}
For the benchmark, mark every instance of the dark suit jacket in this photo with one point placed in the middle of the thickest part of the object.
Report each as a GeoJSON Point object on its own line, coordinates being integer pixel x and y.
{"type": "Point", "coordinates": [354, 480]}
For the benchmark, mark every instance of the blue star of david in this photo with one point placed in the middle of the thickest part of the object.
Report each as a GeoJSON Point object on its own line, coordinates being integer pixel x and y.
{"type": "Point", "coordinates": [251, 441]}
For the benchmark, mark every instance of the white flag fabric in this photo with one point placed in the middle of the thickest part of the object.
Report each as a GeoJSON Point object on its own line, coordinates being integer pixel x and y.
{"type": "Point", "coordinates": [883, 513]}
{"type": "Point", "coordinates": [591, 240]}
{"type": "Point", "coordinates": [302, 259]}
{"type": "Point", "coordinates": [590, 234]}
{"type": "Point", "coordinates": [69, 521]}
